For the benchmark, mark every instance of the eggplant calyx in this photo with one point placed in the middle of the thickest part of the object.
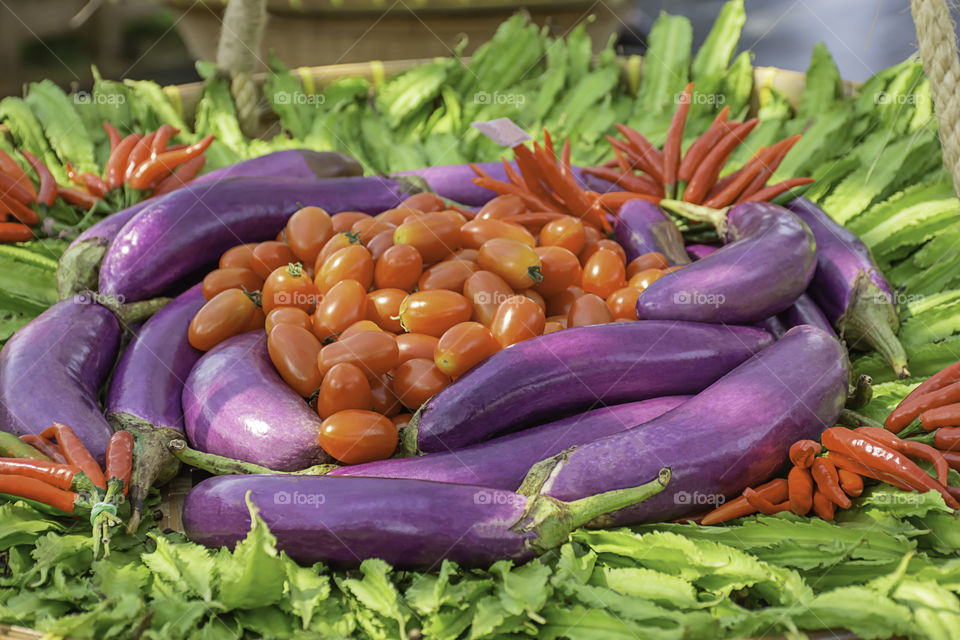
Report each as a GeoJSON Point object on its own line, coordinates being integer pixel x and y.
{"type": "Point", "coordinates": [408, 446]}
{"type": "Point", "coordinates": [79, 267]}
{"type": "Point", "coordinates": [871, 319]}
{"type": "Point", "coordinates": [699, 213]}
{"type": "Point", "coordinates": [860, 393]}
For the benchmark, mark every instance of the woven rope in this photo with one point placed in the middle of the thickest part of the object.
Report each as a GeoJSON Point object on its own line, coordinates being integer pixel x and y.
{"type": "Point", "coordinates": [238, 54]}
{"type": "Point", "coordinates": [938, 48]}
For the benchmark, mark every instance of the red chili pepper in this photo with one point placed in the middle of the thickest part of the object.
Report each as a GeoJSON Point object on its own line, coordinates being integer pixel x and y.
{"type": "Point", "coordinates": [48, 184]}
{"type": "Point", "coordinates": [765, 162]}
{"type": "Point", "coordinates": [75, 452]}
{"type": "Point", "coordinates": [138, 155]}
{"type": "Point", "coordinates": [120, 458]}
{"type": "Point", "coordinates": [803, 452]}
{"type": "Point", "coordinates": [762, 505]}
{"type": "Point", "coordinates": [952, 458]}
{"type": "Point", "coordinates": [702, 145]}
{"type": "Point", "coordinates": [843, 462]}
{"type": "Point", "coordinates": [636, 160]}
{"type": "Point", "coordinates": [78, 197]}
{"type": "Point", "coordinates": [92, 183]}
{"type": "Point", "coordinates": [11, 188]}
{"type": "Point", "coordinates": [183, 174]}
{"type": "Point", "coordinates": [10, 167]}
{"type": "Point", "coordinates": [15, 232]}
{"type": "Point", "coordinates": [823, 507]}
{"type": "Point", "coordinates": [850, 482]}
{"type": "Point", "coordinates": [945, 416]}
{"type": "Point", "coordinates": [160, 140]}
{"type": "Point", "coordinates": [646, 150]}
{"type": "Point", "coordinates": [947, 439]}
{"type": "Point", "coordinates": [150, 172]}
{"type": "Point", "coordinates": [514, 177]}
{"type": "Point", "coordinates": [908, 410]}
{"type": "Point", "coordinates": [760, 180]}
{"type": "Point", "coordinates": [18, 210]}
{"type": "Point", "coordinates": [800, 490]}
{"type": "Point", "coordinates": [502, 188]}
{"type": "Point", "coordinates": [113, 135]}
{"type": "Point", "coordinates": [58, 475]}
{"type": "Point", "coordinates": [532, 174]}
{"type": "Point", "coordinates": [616, 199]}
{"type": "Point", "coordinates": [909, 448]}
{"type": "Point", "coordinates": [706, 174]}
{"type": "Point", "coordinates": [769, 193]}
{"type": "Point", "coordinates": [44, 446]}
{"type": "Point", "coordinates": [565, 156]}
{"type": "Point", "coordinates": [38, 491]}
{"type": "Point", "coordinates": [674, 142]}
{"type": "Point", "coordinates": [775, 491]}
{"type": "Point", "coordinates": [824, 474]}
{"type": "Point", "coordinates": [937, 381]}
{"type": "Point", "coordinates": [627, 180]}
{"type": "Point", "coordinates": [117, 163]}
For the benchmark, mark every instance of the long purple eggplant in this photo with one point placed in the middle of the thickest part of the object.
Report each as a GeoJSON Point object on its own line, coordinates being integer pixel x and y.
{"type": "Point", "coordinates": [191, 227]}
{"type": "Point", "coordinates": [502, 463]}
{"type": "Point", "coordinates": [412, 524]}
{"type": "Point", "coordinates": [698, 251]}
{"type": "Point", "coordinates": [805, 311]}
{"type": "Point", "coordinates": [236, 405]}
{"type": "Point", "coordinates": [52, 370]}
{"type": "Point", "coordinates": [572, 371]}
{"type": "Point", "coordinates": [850, 288]}
{"type": "Point", "coordinates": [769, 259]}
{"type": "Point", "coordinates": [733, 435]}
{"type": "Point", "coordinates": [642, 227]}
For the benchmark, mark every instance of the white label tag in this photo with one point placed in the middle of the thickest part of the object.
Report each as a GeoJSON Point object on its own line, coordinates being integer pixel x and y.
{"type": "Point", "coordinates": [503, 131]}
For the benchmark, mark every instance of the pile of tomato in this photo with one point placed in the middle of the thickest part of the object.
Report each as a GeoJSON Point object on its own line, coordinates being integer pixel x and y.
{"type": "Point", "coordinates": [369, 316]}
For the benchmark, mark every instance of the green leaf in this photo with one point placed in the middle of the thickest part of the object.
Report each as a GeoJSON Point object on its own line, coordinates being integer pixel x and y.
{"type": "Point", "coordinates": [823, 84]}
{"type": "Point", "coordinates": [649, 585]}
{"type": "Point", "coordinates": [289, 99]}
{"type": "Point", "coordinates": [714, 54]}
{"type": "Point", "coordinates": [376, 592]}
{"type": "Point", "coordinates": [737, 84]}
{"type": "Point", "coordinates": [189, 568]}
{"type": "Point", "coordinates": [116, 580]}
{"type": "Point", "coordinates": [666, 64]}
{"type": "Point", "coordinates": [580, 623]}
{"type": "Point", "coordinates": [255, 575]}
{"type": "Point", "coordinates": [23, 524]}
{"type": "Point", "coordinates": [523, 588]}
{"type": "Point", "coordinates": [306, 589]}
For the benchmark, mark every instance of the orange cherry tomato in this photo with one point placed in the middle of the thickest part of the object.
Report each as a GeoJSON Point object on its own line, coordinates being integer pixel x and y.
{"type": "Point", "coordinates": [385, 401]}
{"type": "Point", "coordinates": [623, 303]}
{"type": "Point", "coordinates": [567, 232]}
{"type": "Point", "coordinates": [398, 215]}
{"type": "Point", "coordinates": [434, 235]}
{"type": "Point", "coordinates": [350, 263]}
{"type": "Point", "coordinates": [559, 304]}
{"type": "Point", "coordinates": [257, 321]}
{"type": "Point", "coordinates": [228, 314]}
{"type": "Point", "coordinates": [307, 231]}
{"type": "Point", "coordinates": [450, 275]}
{"type": "Point", "coordinates": [293, 351]}
{"type": "Point", "coordinates": [465, 254]}
{"type": "Point", "coordinates": [375, 352]}
{"type": "Point", "coordinates": [518, 319]}
{"type": "Point", "coordinates": [288, 315]}
{"type": "Point", "coordinates": [355, 436]}
{"type": "Point", "coordinates": [345, 219]}
{"type": "Point", "coordinates": [462, 346]}
{"type": "Point", "coordinates": [416, 380]}
{"type": "Point", "coordinates": [588, 309]}
{"type": "Point", "coordinates": [502, 207]}
{"type": "Point", "coordinates": [339, 241]}
{"type": "Point", "coordinates": [551, 326]}
{"type": "Point", "coordinates": [560, 268]}
{"type": "Point", "coordinates": [434, 311]}
{"type": "Point", "coordinates": [474, 233]}
{"type": "Point", "coordinates": [379, 244]}
{"type": "Point", "coordinates": [269, 255]}
{"type": "Point", "coordinates": [344, 304]}
{"type": "Point", "coordinates": [230, 278]}
{"type": "Point", "coordinates": [486, 290]}
{"type": "Point", "coordinates": [603, 273]}
{"type": "Point", "coordinates": [536, 297]}
{"type": "Point", "coordinates": [603, 243]}
{"type": "Point", "coordinates": [399, 267]}
{"type": "Point", "coordinates": [456, 216]}
{"type": "Point", "coordinates": [651, 260]}
{"type": "Point", "coordinates": [642, 279]}
{"type": "Point", "coordinates": [425, 202]}
{"type": "Point", "coordinates": [401, 420]}
{"type": "Point", "coordinates": [238, 256]}
{"type": "Point", "coordinates": [367, 229]}
{"type": "Point", "coordinates": [383, 308]}
{"type": "Point", "coordinates": [289, 286]}
{"type": "Point", "coordinates": [359, 327]}
{"type": "Point", "coordinates": [416, 345]}
{"type": "Point", "coordinates": [513, 261]}
{"type": "Point", "coordinates": [591, 233]}
{"type": "Point", "coordinates": [344, 387]}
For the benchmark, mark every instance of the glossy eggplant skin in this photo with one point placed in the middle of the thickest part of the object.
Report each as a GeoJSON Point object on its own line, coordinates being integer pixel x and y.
{"type": "Point", "coordinates": [236, 405]}
{"type": "Point", "coordinates": [768, 261]}
{"type": "Point", "coordinates": [698, 251]}
{"type": "Point", "coordinates": [502, 463]}
{"type": "Point", "coordinates": [805, 311]}
{"type": "Point", "coordinates": [52, 370]}
{"type": "Point", "coordinates": [734, 434]}
{"type": "Point", "coordinates": [191, 227]}
{"type": "Point", "coordinates": [642, 227]}
{"type": "Point", "coordinates": [148, 381]}
{"type": "Point", "coordinates": [571, 371]}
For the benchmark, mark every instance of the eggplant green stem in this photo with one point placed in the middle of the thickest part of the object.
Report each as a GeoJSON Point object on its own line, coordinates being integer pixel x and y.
{"type": "Point", "coordinates": [849, 418]}
{"type": "Point", "coordinates": [699, 213]}
{"type": "Point", "coordinates": [223, 466]}
{"type": "Point", "coordinates": [586, 510]}
{"type": "Point", "coordinates": [861, 393]}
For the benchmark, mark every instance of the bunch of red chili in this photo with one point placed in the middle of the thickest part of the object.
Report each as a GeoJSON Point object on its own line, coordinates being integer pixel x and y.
{"type": "Point", "coordinates": [936, 402]}
{"type": "Point", "coordinates": [17, 193]}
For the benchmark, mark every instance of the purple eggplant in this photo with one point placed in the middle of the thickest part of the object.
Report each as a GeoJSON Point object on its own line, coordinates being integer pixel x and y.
{"type": "Point", "coordinates": [191, 227]}
{"type": "Point", "coordinates": [572, 371]}
{"type": "Point", "coordinates": [768, 262]}
{"type": "Point", "coordinates": [698, 251]}
{"type": "Point", "coordinates": [773, 326]}
{"type": "Point", "coordinates": [850, 288]}
{"type": "Point", "coordinates": [289, 163]}
{"type": "Point", "coordinates": [412, 524]}
{"type": "Point", "coordinates": [805, 311]}
{"type": "Point", "coordinates": [501, 463]}
{"type": "Point", "coordinates": [734, 434]}
{"type": "Point", "coordinates": [642, 227]}
{"type": "Point", "coordinates": [236, 405]}
{"type": "Point", "coordinates": [52, 370]}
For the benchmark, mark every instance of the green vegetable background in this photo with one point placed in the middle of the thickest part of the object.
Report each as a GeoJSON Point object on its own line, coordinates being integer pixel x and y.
{"type": "Point", "coordinates": [888, 566]}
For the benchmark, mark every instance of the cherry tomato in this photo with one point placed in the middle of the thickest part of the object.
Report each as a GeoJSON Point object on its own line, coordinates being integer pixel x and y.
{"type": "Point", "coordinates": [307, 231]}
{"type": "Point", "coordinates": [355, 436]}
{"type": "Point", "coordinates": [228, 314]}
{"type": "Point", "coordinates": [465, 254]}
{"type": "Point", "coordinates": [502, 207]}
{"type": "Point", "coordinates": [385, 401]}
{"type": "Point", "coordinates": [486, 290]}
{"type": "Point", "coordinates": [293, 351]}
{"type": "Point", "coordinates": [344, 387]}
{"type": "Point", "coordinates": [513, 261]}
{"type": "Point", "coordinates": [399, 267]}
{"type": "Point", "coordinates": [350, 263]}
{"type": "Point", "coordinates": [434, 235]}
{"type": "Point", "coordinates": [344, 304]}
{"type": "Point", "coordinates": [379, 244]}
{"type": "Point", "coordinates": [367, 229]}
{"type": "Point", "coordinates": [450, 275]}
{"type": "Point", "coordinates": [536, 297]}
{"type": "Point", "coordinates": [398, 215]}
{"type": "Point", "coordinates": [289, 286]}
{"type": "Point", "coordinates": [269, 255]}
{"type": "Point", "coordinates": [434, 311]}
{"type": "Point", "coordinates": [623, 303]}
{"type": "Point", "coordinates": [560, 268]}
{"type": "Point", "coordinates": [416, 380]}
{"type": "Point", "coordinates": [401, 420]}
{"type": "Point", "coordinates": [551, 326]}
{"type": "Point", "coordinates": [339, 241]}
{"type": "Point", "coordinates": [517, 319]}
{"type": "Point", "coordinates": [651, 260]}
{"type": "Point", "coordinates": [238, 256]}
{"type": "Point", "coordinates": [567, 232]}
{"type": "Point", "coordinates": [591, 233]}
{"type": "Point", "coordinates": [643, 279]}
{"type": "Point", "coordinates": [416, 345]}
{"type": "Point", "coordinates": [257, 321]}
{"type": "Point", "coordinates": [345, 219]}
{"type": "Point", "coordinates": [588, 309]}
{"type": "Point", "coordinates": [359, 327]}
{"type": "Point", "coordinates": [425, 202]}
{"type": "Point", "coordinates": [375, 352]}
{"type": "Point", "coordinates": [474, 233]}
{"type": "Point", "coordinates": [383, 308]}
{"type": "Point", "coordinates": [288, 315]}
{"type": "Point", "coordinates": [559, 304]}
{"type": "Point", "coordinates": [230, 278]}
{"type": "Point", "coordinates": [456, 216]}
{"type": "Point", "coordinates": [603, 273]}
{"type": "Point", "coordinates": [462, 346]}
{"type": "Point", "coordinates": [603, 243]}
